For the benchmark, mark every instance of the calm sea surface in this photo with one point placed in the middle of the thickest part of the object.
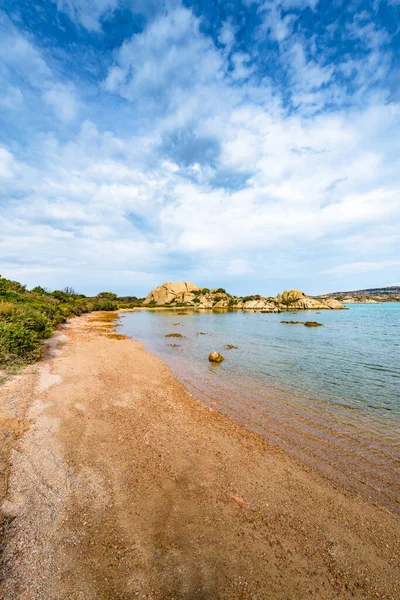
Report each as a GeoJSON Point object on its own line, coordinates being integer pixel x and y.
{"type": "Point", "coordinates": [329, 396]}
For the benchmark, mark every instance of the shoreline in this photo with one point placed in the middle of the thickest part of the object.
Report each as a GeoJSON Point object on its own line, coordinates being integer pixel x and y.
{"type": "Point", "coordinates": [139, 489]}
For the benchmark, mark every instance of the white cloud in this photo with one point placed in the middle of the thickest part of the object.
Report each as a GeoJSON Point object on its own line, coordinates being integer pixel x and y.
{"type": "Point", "coordinates": [87, 12]}
{"type": "Point", "coordinates": [363, 267]}
{"type": "Point", "coordinates": [170, 68]}
{"type": "Point", "coordinates": [11, 97]}
{"type": "Point", "coordinates": [7, 164]}
{"type": "Point", "coordinates": [23, 67]}
{"type": "Point", "coordinates": [63, 101]}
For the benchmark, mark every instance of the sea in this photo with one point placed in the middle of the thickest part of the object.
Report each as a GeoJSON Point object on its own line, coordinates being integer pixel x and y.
{"type": "Point", "coordinates": [328, 396]}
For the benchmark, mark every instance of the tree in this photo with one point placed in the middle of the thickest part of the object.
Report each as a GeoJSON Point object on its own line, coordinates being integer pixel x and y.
{"type": "Point", "coordinates": [69, 290]}
{"type": "Point", "coordinates": [39, 290]}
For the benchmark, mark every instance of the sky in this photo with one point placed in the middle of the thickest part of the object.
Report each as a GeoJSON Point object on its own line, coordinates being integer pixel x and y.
{"type": "Point", "coordinates": [248, 144]}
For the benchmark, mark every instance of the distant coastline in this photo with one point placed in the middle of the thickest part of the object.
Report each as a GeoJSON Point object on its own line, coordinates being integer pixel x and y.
{"type": "Point", "coordinates": [367, 296]}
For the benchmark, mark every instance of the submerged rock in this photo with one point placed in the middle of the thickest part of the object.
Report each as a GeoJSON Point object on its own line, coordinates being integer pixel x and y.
{"type": "Point", "coordinates": [293, 322]}
{"type": "Point", "coordinates": [215, 357]}
{"type": "Point", "coordinates": [306, 323]}
{"type": "Point", "coordinates": [174, 335]}
{"type": "Point", "coordinates": [231, 347]}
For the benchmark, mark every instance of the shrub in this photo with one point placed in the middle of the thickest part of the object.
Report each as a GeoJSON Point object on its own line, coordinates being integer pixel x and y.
{"type": "Point", "coordinates": [254, 297]}
{"type": "Point", "coordinates": [205, 291]}
{"type": "Point", "coordinates": [39, 290]}
{"type": "Point", "coordinates": [33, 320]}
{"type": "Point", "coordinates": [107, 296]}
{"type": "Point", "coordinates": [16, 341]}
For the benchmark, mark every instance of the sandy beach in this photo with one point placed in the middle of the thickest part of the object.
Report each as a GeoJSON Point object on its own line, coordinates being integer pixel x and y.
{"type": "Point", "coordinates": [117, 484]}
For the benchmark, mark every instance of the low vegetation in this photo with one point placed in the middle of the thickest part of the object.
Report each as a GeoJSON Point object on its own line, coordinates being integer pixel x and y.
{"type": "Point", "coordinates": [27, 317]}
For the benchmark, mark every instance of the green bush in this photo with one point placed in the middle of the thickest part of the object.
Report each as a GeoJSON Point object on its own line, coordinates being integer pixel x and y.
{"type": "Point", "coordinates": [107, 296]}
{"type": "Point", "coordinates": [33, 320]}
{"type": "Point", "coordinates": [18, 342]}
{"type": "Point", "coordinates": [254, 297]}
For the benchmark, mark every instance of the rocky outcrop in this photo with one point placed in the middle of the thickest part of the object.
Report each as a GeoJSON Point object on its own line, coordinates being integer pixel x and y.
{"type": "Point", "coordinates": [188, 294]}
{"type": "Point", "coordinates": [172, 292]}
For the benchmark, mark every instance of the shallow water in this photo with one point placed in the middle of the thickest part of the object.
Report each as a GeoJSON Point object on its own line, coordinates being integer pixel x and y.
{"type": "Point", "coordinates": [329, 396]}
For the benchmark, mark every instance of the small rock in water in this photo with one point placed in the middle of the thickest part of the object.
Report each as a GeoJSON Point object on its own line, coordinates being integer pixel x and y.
{"type": "Point", "coordinates": [215, 357]}
{"type": "Point", "coordinates": [174, 335]}
{"type": "Point", "coordinates": [231, 347]}
{"type": "Point", "coordinates": [312, 324]}
{"type": "Point", "coordinates": [293, 322]}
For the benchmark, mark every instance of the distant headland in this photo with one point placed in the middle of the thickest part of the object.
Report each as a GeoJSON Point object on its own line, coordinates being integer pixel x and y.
{"type": "Point", "coordinates": [368, 296]}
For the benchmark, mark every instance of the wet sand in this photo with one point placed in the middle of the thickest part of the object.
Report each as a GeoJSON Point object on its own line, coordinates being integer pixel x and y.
{"type": "Point", "coordinates": [123, 486]}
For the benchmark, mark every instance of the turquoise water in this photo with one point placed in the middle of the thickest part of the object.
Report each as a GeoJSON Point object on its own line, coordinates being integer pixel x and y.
{"type": "Point", "coordinates": [330, 396]}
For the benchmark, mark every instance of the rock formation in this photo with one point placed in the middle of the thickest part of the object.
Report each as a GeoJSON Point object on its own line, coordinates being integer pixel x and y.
{"type": "Point", "coordinates": [190, 295]}
{"type": "Point", "coordinates": [171, 292]}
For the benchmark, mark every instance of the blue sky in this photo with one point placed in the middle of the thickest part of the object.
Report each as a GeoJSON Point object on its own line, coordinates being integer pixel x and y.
{"type": "Point", "coordinates": [253, 144]}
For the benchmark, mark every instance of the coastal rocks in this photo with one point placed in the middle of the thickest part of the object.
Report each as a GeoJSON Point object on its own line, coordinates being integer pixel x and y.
{"type": "Point", "coordinates": [215, 357]}
{"type": "Point", "coordinates": [333, 304]}
{"type": "Point", "coordinates": [174, 335]}
{"type": "Point", "coordinates": [297, 300]}
{"type": "Point", "coordinates": [168, 292]}
{"type": "Point", "coordinates": [184, 295]}
{"type": "Point", "coordinates": [306, 323]}
{"type": "Point", "coordinates": [293, 322]}
{"type": "Point", "coordinates": [230, 347]}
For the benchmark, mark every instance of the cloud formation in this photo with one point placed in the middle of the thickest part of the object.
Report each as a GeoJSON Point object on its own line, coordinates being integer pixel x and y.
{"type": "Point", "coordinates": [252, 148]}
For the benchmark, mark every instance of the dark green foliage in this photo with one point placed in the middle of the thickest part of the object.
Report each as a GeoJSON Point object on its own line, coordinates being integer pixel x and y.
{"type": "Point", "coordinates": [248, 298]}
{"type": "Point", "coordinates": [39, 290]}
{"type": "Point", "coordinates": [205, 291]}
{"type": "Point", "coordinates": [28, 317]}
{"type": "Point", "coordinates": [220, 291]}
{"type": "Point", "coordinates": [107, 296]}
{"type": "Point", "coordinates": [16, 342]}
{"type": "Point", "coordinates": [129, 301]}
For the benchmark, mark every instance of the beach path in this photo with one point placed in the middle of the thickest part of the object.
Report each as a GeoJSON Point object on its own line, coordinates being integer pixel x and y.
{"type": "Point", "coordinates": [122, 486]}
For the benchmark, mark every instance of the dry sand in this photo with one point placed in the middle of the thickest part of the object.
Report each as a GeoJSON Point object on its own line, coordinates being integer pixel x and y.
{"type": "Point", "coordinates": [123, 486]}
